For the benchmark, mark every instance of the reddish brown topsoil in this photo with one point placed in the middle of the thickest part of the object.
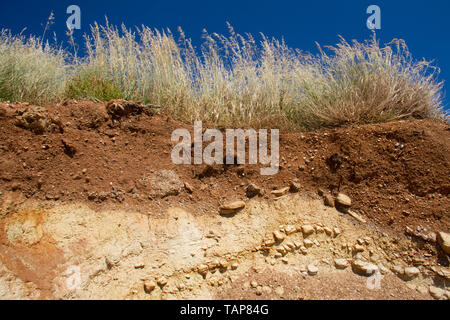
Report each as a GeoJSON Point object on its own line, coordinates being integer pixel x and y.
{"type": "Point", "coordinates": [397, 174]}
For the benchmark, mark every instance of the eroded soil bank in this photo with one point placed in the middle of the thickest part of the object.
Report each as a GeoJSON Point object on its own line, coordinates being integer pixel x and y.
{"type": "Point", "coordinates": [93, 207]}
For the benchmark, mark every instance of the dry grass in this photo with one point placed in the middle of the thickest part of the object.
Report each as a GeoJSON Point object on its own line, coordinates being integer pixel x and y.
{"type": "Point", "coordinates": [364, 83]}
{"type": "Point", "coordinates": [231, 81]}
{"type": "Point", "coordinates": [31, 70]}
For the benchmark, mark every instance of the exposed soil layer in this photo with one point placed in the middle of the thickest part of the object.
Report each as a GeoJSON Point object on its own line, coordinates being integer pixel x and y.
{"type": "Point", "coordinates": [397, 174]}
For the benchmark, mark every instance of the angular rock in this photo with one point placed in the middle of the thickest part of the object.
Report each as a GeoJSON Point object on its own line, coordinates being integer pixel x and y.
{"type": "Point", "coordinates": [278, 255]}
{"type": "Point", "coordinates": [290, 245]}
{"type": "Point", "coordinates": [202, 269]}
{"type": "Point", "coordinates": [308, 243]}
{"type": "Point", "coordinates": [161, 281]}
{"type": "Point", "coordinates": [411, 272]}
{"type": "Point", "coordinates": [398, 270]}
{"type": "Point", "coordinates": [307, 229]}
{"type": "Point", "coordinates": [432, 237]}
{"type": "Point", "coordinates": [281, 250]}
{"type": "Point", "coordinates": [294, 186]}
{"type": "Point", "coordinates": [279, 236]}
{"type": "Point", "coordinates": [337, 231]}
{"type": "Point", "coordinates": [341, 263]}
{"type": "Point", "coordinates": [223, 264]}
{"type": "Point", "coordinates": [161, 184]}
{"type": "Point", "coordinates": [409, 231]}
{"type": "Point", "coordinates": [149, 286]}
{"type": "Point", "coordinates": [289, 229]}
{"type": "Point", "coordinates": [443, 272]}
{"type": "Point", "coordinates": [383, 269]}
{"type": "Point", "coordinates": [188, 187]}
{"type": "Point", "coordinates": [297, 244]}
{"type": "Point", "coordinates": [328, 200]}
{"type": "Point", "coordinates": [213, 264]}
{"type": "Point", "coordinates": [252, 190]}
{"type": "Point", "coordinates": [356, 216]}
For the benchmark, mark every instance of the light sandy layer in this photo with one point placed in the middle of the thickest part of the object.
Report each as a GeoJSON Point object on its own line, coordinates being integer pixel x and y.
{"type": "Point", "coordinates": [72, 252]}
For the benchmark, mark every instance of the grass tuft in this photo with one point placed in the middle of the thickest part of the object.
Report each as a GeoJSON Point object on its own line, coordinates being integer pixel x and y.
{"type": "Point", "coordinates": [31, 70]}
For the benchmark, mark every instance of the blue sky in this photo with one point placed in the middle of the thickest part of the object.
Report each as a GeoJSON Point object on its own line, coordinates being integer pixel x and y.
{"type": "Point", "coordinates": [423, 24]}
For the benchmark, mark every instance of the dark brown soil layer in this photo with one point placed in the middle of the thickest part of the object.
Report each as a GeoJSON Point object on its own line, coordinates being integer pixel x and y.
{"type": "Point", "coordinates": [397, 174]}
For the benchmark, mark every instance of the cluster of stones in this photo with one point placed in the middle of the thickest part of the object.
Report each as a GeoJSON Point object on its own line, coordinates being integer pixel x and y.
{"type": "Point", "coordinates": [217, 264]}
{"type": "Point", "coordinates": [259, 289]}
{"type": "Point", "coordinates": [212, 266]}
{"type": "Point", "coordinates": [283, 247]}
{"type": "Point", "coordinates": [251, 191]}
{"type": "Point", "coordinates": [406, 273]}
{"type": "Point", "coordinates": [150, 285]}
{"type": "Point", "coordinates": [280, 243]}
{"type": "Point", "coordinates": [425, 236]}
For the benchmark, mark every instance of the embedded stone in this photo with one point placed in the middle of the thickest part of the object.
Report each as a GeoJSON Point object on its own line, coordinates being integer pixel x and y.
{"type": "Point", "coordinates": [328, 200]}
{"type": "Point", "coordinates": [280, 192]}
{"type": "Point", "coordinates": [312, 270]}
{"type": "Point", "coordinates": [307, 229]}
{"type": "Point", "coordinates": [343, 200]}
{"type": "Point", "coordinates": [411, 272]}
{"type": "Point", "coordinates": [308, 243]}
{"type": "Point", "coordinates": [341, 263]}
{"type": "Point", "coordinates": [279, 236]}
{"type": "Point", "coordinates": [289, 229]}
{"type": "Point", "coordinates": [149, 286]}
{"type": "Point", "coordinates": [364, 268]}
{"type": "Point", "coordinates": [436, 292]}
{"type": "Point", "coordinates": [294, 186]}
{"type": "Point", "coordinates": [444, 241]}
{"type": "Point", "coordinates": [231, 207]}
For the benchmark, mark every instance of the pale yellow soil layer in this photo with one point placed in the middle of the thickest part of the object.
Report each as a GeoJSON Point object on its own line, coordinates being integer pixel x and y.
{"type": "Point", "coordinates": [69, 251]}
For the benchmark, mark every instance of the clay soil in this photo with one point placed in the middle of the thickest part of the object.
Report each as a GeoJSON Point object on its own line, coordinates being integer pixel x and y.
{"type": "Point", "coordinates": [397, 174]}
